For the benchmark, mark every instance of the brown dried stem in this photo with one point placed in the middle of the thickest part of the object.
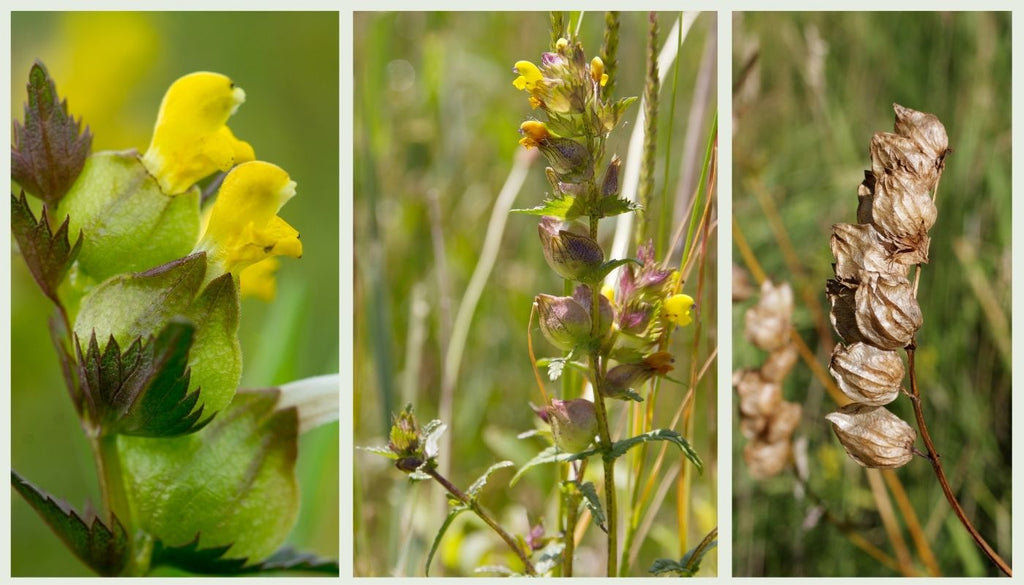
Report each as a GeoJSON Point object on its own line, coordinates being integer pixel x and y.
{"type": "Point", "coordinates": [940, 474]}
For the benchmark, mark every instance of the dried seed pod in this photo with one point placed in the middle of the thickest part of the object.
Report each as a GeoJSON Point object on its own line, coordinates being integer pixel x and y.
{"type": "Point", "coordinates": [842, 297]}
{"type": "Point", "coordinates": [866, 374]}
{"type": "Point", "coordinates": [873, 436]}
{"type": "Point", "coordinates": [859, 247]}
{"type": "Point", "coordinates": [779, 363]}
{"type": "Point", "coordinates": [741, 287]}
{"type": "Point", "coordinates": [765, 460]}
{"type": "Point", "coordinates": [768, 323]}
{"type": "Point", "coordinates": [903, 212]}
{"type": "Point", "coordinates": [887, 312]}
{"type": "Point", "coordinates": [924, 129]}
{"type": "Point", "coordinates": [758, 399]}
{"type": "Point", "coordinates": [782, 424]}
{"type": "Point", "coordinates": [892, 153]}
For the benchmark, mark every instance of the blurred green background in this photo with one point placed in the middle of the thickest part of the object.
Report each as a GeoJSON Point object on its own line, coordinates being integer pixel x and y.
{"type": "Point", "coordinates": [436, 120]}
{"type": "Point", "coordinates": [113, 68]}
{"type": "Point", "coordinates": [804, 114]}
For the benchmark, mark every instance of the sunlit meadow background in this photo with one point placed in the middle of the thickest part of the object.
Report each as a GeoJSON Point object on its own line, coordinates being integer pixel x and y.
{"type": "Point", "coordinates": [113, 68]}
{"type": "Point", "coordinates": [804, 114]}
{"type": "Point", "coordinates": [436, 117]}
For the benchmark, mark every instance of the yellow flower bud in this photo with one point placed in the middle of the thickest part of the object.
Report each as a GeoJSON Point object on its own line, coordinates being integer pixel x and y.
{"type": "Point", "coordinates": [244, 227]}
{"type": "Point", "coordinates": [191, 139]}
{"type": "Point", "coordinates": [597, 71]}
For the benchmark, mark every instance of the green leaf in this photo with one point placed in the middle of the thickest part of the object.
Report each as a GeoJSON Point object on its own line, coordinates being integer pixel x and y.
{"type": "Point", "coordinates": [619, 448]}
{"type": "Point", "coordinates": [565, 207]}
{"type": "Point", "coordinates": [103, 549]}
{"type": "Point", "coordinates": [49, 151]}
{"type": "Point", "coordinates": [144, 390]}
{"type": "Point", "coordinates": [598, 274]}
{"type": "Point", "coordinates": [610, 206]}
{"type": "Point", "coordinates": [48, 255]}
{"type": "Point", "coordinates": [555, 367]}
{"type": "Point", "coordinates": [496, 570]}
{"type": "Point", "coordinates": [384, 451]}
{"type": "Point", "coordinates": [690, 563]}
{"type": "Point", "coordinates": [669, 567]}
{"type": "Point", "coordinates": [482, 480]}
{"type": "Point", "coordinates": [592, 502]}
{"type": "Point", "coordinates": [452, 515]}
{"type": "Point", "coordinates": [233, 482]}
{"type": "Point", "coordinates": [550, 557]}
{"type": "Point", "coordinates": [550, 455]}
{"type": "Point", "coordinates": [431, 435]}
{"type": "Point", "coordinates": [212, 561]}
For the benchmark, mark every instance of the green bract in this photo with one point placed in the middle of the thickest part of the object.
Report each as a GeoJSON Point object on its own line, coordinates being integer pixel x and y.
{"type": "Point", "coordinates": [128, 223]}
{"type": "Point", "coordinates": [232, 483]}
{"type": "Point", "coordinates": [130, 306]}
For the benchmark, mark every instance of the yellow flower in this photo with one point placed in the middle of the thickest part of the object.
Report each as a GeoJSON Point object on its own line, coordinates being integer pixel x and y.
{"type": "Point", "coordinates": [597, 71]}
{"type": "Point", "coordinates": [676, 309]}
{"type": "Point", "coordinates": [191, 139]}
{"type": "Point", "coordinates": [530, 78]}
{"type": "Point", "coordinates": [244, 227]}
{"type": "Point", "coordinates": [534, 133]}
{"type": "Point", "coordinates": [257, 280]}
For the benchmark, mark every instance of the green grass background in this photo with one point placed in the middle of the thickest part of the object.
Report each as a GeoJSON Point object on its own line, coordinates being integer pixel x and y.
{"type": "Point", "coordinates": [113, 69]}
{"type": "Point", "coordinates": [436, 115]}
{"type": "Point", "coordinates": [806, 143]}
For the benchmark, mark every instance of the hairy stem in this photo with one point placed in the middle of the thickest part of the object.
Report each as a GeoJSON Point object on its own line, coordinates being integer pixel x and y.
{"type": "Point", "coordinates": [940, 474]}
{"type": "Point", "coordinates": [484, 515]}
{"type": "Point", "coordinates": [602, 423]}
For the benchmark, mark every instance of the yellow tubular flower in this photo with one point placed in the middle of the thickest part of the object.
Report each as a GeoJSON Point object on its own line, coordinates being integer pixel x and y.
{"type": "Point", "coordinates": [530, 78]}
{"type": "Point", "coordinates": [244, 227]}
{"type": "Point", "coordinates": [191, 139]}
{"type": "Point", "coordinates": [534, 133]}
{"type": "Point", "coordinates": [257, 280]}
{"type": "Point", "coordinates": [676, 309]}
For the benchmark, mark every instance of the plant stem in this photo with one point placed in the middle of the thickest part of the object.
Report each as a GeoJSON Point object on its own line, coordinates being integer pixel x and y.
{"type": "Point", "coordinates": [602, 422]}
{"type": "Point", "coordinates": [933, 455]}
{"type": "Point", "coordinates": [484, 515]}
{"type": "Point", "coordinates": [115, 497]}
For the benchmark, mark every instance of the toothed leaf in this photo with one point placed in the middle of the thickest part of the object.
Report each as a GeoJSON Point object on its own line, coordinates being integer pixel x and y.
{"type": "Point", "coordinates": [564, 207]}
{"type": "Point", "coordinates": [482, 480]}
{"type": "Point", "coordinates": [609, 206]}
{"type": "Point", "coordinates": [593, 502]}
{"type": "Point", "coordinates": [550, 455]}
{"type": "Point", "coordinates": [103, 549]}
{"type": "Point", "coordinates": [217, 560]}
{"type": "Point", "coordinates": [48, 255]}
{"type": "Point", "coordinates": [619, 448]}
{"type": "Point", "coordinates": [453, 513]}
{"type": "Point", "coordinates": [142, 391]}
{"type": "Point", "coordinates": [49, 150]}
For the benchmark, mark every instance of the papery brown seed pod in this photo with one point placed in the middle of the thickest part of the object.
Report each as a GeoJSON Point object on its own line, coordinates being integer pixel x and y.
{"type": "Point", "coordinates": [768, 323]}
{"type": "Point", "coordinates": [887, 312]}
{"type": "Point", "coordinates": [741, 287]}
{"type": "Point", "coordinates": [859, 247]}
{"type": "Point", "coordinates": [924, 129]}
{"type": "Point", "coordinates": [783, 422]}
{"type": "Point", "coordinates": [866, 374]}
{"type": "Point", "coordinates": [892, 153]}
{"type": "Point", "coordinates": [779, 363]}
{"type": "Point", "coordinates": [758, 398]}
{"type": "Point", "coordinates": [842, 297]}
{"type": "Point", "coordinates": [873, 436]}
{"type": "Point", "coordinates": [903, 211]}
{"type": "Point", "coordinates": [765, 460]}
